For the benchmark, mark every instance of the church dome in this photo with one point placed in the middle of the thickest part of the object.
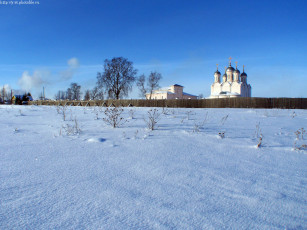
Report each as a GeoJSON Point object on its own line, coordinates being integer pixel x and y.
{"type": "Point", "coordinates": [243, 74]}
{"type": "Point", "coordinates": [230, 68]}
{"type": "Point", "coordinates": [217, 72]}
{"type": "Point", "coordinates": [237, 71]}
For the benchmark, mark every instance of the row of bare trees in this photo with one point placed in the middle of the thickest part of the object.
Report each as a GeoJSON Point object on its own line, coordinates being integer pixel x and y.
{"type": "Point", "coordinates": [115, 82]}
{"type": "Point", "coordinates": [74, 93]}
{"type": "Point", "coordinates": [119, 76]}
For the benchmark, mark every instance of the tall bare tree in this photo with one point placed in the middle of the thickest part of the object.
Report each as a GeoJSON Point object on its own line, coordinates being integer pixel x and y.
{"type": "Point", "coordinates": [117, 78]}
{"type": "Point", "coordinates": [74, 92]}
{"type": "Point", "coordinates": [96, 93]}
{"type": "Point", "coordinates": [152, 83]}
{"type": "Point", "coordinates": [3, 93]}
{"type": "Point", "coordinates": [140, 82]}
{"type": "Point", "coordinates": [69, 94]}
{"type": "Point", "coordinates": [87, 95]}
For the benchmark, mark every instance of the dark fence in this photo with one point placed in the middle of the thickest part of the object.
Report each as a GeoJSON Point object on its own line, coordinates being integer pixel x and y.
{"type": "Point", "coordinates": [252, 102]}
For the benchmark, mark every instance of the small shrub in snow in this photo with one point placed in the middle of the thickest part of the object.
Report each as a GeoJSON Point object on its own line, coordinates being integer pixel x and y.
{"type": "Point", "coordinates": [300, 134]}
{"type": "Point", "coordinates": [258, 135]}
{"type": "Point", "coordinates": [71, 116]}
{"type": "Point", "coordinates": [131, 113]}
{"type": "Point", "coordinates": [152, 118]}
{"type": "Point", "coordinates": [113, 116]}
{"type": "Point", "coordinates": [20, 113]}
{"type": "Point", "coordinates": [259, 141]}
{"type": "Point", "coordinates": [96, 112]}
{"type": "Point", "coordinates": [302, 147]}
{"type": "Point", "coordinates": [165, 111]}
{"type": "Point", "coordinates": [200, 125]}
{"type": "Point", "coordinates": [224, 119]}
{"type": "Point", "coordinates": [298, 145]}
{"type": "Point", "coordinates": [258, 130]}
{"type": "Point", "coordinates": [97, 115]}
{"type": "Point", "coordinates": [136, 134]}
{"type": "Point", "coordinates": [188, 114]}
{"type": "Point", "coordinates": [58, 109]}
{"type": "Point", "coordinates": [62, 110]}
{"type": "Point", "coordinates": [293, 115]}
{"type": "Point", "coordinates": [222, 122]}
{"type": "Point", "coordinates": [72, 129]}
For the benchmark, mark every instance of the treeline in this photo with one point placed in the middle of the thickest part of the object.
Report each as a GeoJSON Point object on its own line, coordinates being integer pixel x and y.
{"type": "Point", "coordinates": [5, 95]}
{"type": "Point", "coordinates": [115, 82]}
{"type": "Point", "coordinates": [74, 93]}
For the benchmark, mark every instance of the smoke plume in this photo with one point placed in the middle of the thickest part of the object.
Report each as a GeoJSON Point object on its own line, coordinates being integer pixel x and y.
{"type": "Point", "coordinates": [73, 65]}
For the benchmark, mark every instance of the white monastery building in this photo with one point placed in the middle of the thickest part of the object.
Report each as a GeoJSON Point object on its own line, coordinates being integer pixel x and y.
{"type": "Point", "coordinates": [172, 92]}
{"type": "Point", "coordinates": [232, 84]}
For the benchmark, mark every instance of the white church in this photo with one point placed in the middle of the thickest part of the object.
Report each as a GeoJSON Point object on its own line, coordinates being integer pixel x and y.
{"type": "Point", "coordinates": [232, 84]}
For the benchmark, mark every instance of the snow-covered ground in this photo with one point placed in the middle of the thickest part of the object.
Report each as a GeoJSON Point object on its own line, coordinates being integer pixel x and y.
{"type": "Point", "coordinates": [181, 176]}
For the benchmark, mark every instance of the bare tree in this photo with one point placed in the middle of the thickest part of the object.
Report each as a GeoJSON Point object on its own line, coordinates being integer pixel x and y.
{"type": "Point", "coordinates": [61, 95]}
{"type": "Point", "coordinates": [74, 92]}
{"type": "Point", "coordinates": [140, 82]}
{"type": "Point", "coordinates": [113, 117]}
{"type": "Point", "coordinates": [152, 118]}
{"type": "Point", "coordinates": [152, 83]}
{"type": "Point", "coordinates": [69, 94]}
{"type": "Point", "coordinates": [96, 94]}
{"type": "Point", "coordinates": [87, 95]}
{"type": "Point", "coordinates": [4, 94]}
{"type": "Point", "coordinates": [117, 78]}
{"type": "Point", "coordinates": [62, 110]}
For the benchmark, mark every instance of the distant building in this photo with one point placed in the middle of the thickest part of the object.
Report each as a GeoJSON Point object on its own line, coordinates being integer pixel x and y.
{"type": "Point", "coordinates": [172, 92]}
{"type": "Point", "coordinates": [232, 83]}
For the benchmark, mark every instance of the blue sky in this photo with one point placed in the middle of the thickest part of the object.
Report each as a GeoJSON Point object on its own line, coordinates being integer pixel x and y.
{"type": "Point", "coordinates": [58, 42]}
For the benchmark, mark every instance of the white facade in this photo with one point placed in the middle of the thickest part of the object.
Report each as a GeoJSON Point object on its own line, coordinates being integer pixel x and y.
{"type": "Point", "coordinates": [232, 84]}
{"type": "Point", "coordinates": [172, 92]}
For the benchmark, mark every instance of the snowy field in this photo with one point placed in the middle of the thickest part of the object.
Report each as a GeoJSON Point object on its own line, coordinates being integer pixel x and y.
{"type": "Point", "coordinates": [83, 174]}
